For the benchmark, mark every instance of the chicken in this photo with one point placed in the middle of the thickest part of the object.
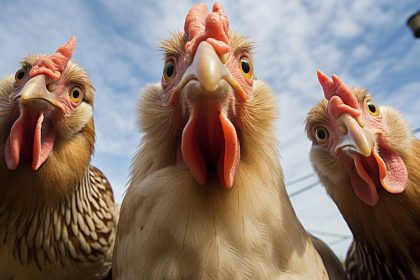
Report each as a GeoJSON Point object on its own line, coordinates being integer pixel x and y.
{"type": "Point", "coordinates": [206, 198]}
{"type": "Point", "coordinates": [368, 160]}
{"type": "Point", "coordinates": [57, 213]}
{"type": "Point", "coordinates": [332, 264]}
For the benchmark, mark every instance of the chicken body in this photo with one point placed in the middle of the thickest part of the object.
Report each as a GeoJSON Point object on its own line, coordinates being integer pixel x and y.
{"type": "Point", "coordinates": [206, 198]}
{"type": "Point", "coordinates": [57, 213]}
{"type": "Point", "coordinates": [367, 158]}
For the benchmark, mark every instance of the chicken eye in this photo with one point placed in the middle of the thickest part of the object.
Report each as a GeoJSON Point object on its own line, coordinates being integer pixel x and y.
{"type": "Point", "coordinates": [373, 109]}
{"type": "Point", "coordinates": [19, 76]}
{"type": "Point", "coordinates": [321, 134]}
{"type": "Point", "coordinates": [76, 94]}
{"type": "Point", "coordinates": [246, 67]}
{"type": "Point", "coordinates": [169, 70]}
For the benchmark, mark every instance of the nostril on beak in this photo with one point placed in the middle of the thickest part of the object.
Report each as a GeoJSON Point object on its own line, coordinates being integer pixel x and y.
{"type": "Point", "coordinates": [51, 86]}
{"type": "Point", "coordinates": [343, 129]}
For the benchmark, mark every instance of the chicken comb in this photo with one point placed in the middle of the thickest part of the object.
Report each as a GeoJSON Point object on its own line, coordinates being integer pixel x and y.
{"type": "Point", "coordinates": [200, 25]}
{"type": "Point", "coordinates": [340, 97]}
{"type": "Point", "coordinates": [54, 65]}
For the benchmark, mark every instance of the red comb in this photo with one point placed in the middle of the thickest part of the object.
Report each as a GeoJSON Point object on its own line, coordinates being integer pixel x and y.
{"type": "Point", "coordinates": [54, 65]}
{"type": "Point", "coordinates": [200, 25]}
{"type": "Point", "coordinates": [340, 96]}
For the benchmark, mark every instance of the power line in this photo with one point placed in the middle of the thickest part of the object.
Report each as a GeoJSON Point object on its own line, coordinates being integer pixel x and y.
{"type": "Point", "coordinates": [313, 185]}
{"type": "Point", "coordinates": [337, 241]}
{"type": "Point", "coordinates": [339, 238]}
{"type": "Point", "coordinates": [311, 175]}
{"type": "Point", "coordinates": [331, 234]}
{"type": "Point", "coordinates": [299, 179]}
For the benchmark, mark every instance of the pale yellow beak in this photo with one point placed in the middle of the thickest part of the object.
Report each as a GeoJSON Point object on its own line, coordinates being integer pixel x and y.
{"type": "Point", "coordinates": [207, 77]}
{"type": "Point", "coordinates": [36, 94]}
{"type": "Point", "coordinates": [354, 137]}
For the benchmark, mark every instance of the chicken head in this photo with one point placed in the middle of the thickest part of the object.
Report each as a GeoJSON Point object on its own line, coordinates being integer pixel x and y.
{"type": "Point", "coordinates": [207, 84]}
{"type": "Point", "coordinates": [356, 132]}
{"type": "Point", "coordinates": [43, 95]}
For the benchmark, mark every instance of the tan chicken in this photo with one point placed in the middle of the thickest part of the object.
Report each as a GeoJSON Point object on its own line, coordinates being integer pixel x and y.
{"type": "Point", "coordinates": [57, 213]}
{"type": "Point", "coordinates": [368, 160]}
{"type": "Point", "coordinates": [206, 198]}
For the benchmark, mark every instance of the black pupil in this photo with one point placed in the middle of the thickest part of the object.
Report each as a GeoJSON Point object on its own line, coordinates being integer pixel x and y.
{"type": "Point", "coordinates": [372, 108]}
{"type": "Point", "coordinates": [245, 66]}
{"type": "Point", "coordinates": [170, 70]}
{"type": "Point", "coordinates": [321, 134]}
{"type": "Point", "coordinates": [20, 75]}
{"type": "Point", "coordinates": [76, 93]}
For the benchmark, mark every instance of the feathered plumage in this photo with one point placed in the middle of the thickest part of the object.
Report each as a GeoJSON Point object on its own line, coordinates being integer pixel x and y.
{"type": "Point", "coordinates": [368, 159]}
{"type": "Point", "coordinates": [57, 213]}
{"type": "Point", "coordinates": [206, 198]}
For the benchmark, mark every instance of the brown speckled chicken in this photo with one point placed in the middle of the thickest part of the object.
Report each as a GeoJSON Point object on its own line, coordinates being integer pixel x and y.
{"type": "Point", "coordinates": [206, 198]}
{"type": "Point", "coordinates": [368, 160]}
{"type": "Point", "coordinates": [57, 213]}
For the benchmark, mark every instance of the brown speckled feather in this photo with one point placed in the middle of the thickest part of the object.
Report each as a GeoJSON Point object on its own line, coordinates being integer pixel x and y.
{"type": "Point", "coordinates": [66, 240]}
{"type": "Point", "coordinates": [58, 222]}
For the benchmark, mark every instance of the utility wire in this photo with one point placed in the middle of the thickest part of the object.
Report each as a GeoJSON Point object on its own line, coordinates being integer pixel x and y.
{"type": "Point", "coordinates": [302, 190]}
{"type": "Point", "coordinates": [337, 241]}
{"type": "Point", "coordinates": [339, 237]}
{"type": "Point", "coordinates": [331, 234]}
{"type": "Point", "coordinates": [313, 185]}
{"type": "Point", "coordinates": [299, 179]}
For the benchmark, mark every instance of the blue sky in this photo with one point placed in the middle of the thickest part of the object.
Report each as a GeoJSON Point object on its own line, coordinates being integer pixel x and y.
{"type": "Point", "coordinates": [366, 42]}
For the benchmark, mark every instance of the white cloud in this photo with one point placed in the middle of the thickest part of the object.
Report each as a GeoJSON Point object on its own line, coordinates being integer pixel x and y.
{"type": "Point", "coordinates": [365, 42]}
{"type": "Point", "coordinates": [361, 52]}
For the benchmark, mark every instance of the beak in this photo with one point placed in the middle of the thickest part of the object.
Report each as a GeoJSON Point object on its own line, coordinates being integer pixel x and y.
{"type": "Point", "coordinates": [354, 138]}
{"type": "Point", "coordinates": [207, 67]}
{"type": "Point", "coordinates": [36, 94]}
{"type": "Point", "coordinates": [209, 76]}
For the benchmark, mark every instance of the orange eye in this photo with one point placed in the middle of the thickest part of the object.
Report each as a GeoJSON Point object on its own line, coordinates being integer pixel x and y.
{"type": "Point", "coordinates": [246, 67]}
{"type": "Point", "coordinates": [20, 76]}
{"type": "Point", "coordinates": [373, 108]}
{"type": "Point", "coordinates": [321, 134]}
{"type": "Point", "coordinates": [169, 70]}
{"type": "Point", "coordinates": [76, 94]}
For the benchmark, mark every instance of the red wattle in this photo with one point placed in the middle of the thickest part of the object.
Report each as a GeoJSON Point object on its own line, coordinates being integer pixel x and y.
{"type": "Point", "coordinates": [44, 138]}
{"type": "Point", "coordinates": [393, 173]}
{"type": "Point", "coordinates": [387, 170]}
{"type": "Point", "coordinates": [209, 143]}
{"type": "Point", "coordinates": [191, 151]}
{"type": "Point", "coordinates": [228, 165]}
{"type": "Point", "coordinates": [15, 142]}
{"type": "Point", "coordinates": [363, 185]}
{"type": "Point", "coordinates": [20, 139]}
